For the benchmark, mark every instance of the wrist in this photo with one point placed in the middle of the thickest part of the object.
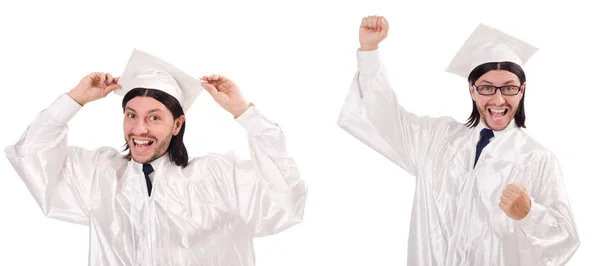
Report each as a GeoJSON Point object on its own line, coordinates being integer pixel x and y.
{"type": "Point", "coordinates": [240, 110]}
{"type": "Point", "coordinates": [77, 98]}
{"type": "Point", "coordinates": [368, 47]}
{"type": "Point", "coordinates": [64, 108]}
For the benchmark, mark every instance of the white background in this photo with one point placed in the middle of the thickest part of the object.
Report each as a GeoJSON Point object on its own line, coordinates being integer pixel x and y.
{"type": "Point", "coordinates": [295, 61]}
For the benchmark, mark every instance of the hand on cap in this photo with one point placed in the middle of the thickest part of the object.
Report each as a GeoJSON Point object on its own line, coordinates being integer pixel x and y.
{"type": "Point", "coordinates": [93, 87]}
{"type": "Point", "coordinates": [515, 202]}
{"type": "Point", "coordinates": [226, 93]}
{"type": "Point", "coordinates": [373, 30]}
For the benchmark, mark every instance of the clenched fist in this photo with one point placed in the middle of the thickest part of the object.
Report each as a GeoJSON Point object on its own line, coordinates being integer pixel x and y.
{"type": "Point", "coordinates": [93, 87]}
{"type": "Point", "coordinates": [515, 202]}
{"type": "Point", "coordinates": [373, 30]}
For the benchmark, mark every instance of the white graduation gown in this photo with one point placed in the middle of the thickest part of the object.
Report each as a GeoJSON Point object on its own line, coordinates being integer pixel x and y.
{"type": "Point", "coordinates": [204, 214]}
{"type": "Point", "coordinates": [456, 219]}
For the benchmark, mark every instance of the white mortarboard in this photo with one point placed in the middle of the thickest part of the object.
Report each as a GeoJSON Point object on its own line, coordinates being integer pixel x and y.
{"type": "Point", "coordinates": [147, 71]}
{"type": "Point", "coordinates": [487, 44]}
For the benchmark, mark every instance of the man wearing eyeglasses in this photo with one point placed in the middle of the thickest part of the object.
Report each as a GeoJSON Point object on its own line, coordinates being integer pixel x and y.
{"type": "Point", "coordinates": [486, 192]}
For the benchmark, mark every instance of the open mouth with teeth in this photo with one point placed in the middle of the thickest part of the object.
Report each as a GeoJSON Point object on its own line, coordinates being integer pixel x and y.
{"type": "Point", "coordinates": [497, 113]}
{"type": "Point", "coordinates": [142, 145]}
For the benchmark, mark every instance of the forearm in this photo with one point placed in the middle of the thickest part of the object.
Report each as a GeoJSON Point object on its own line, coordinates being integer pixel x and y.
{"type": "Point", "coordinates": [549, 225]}
{"type": "Point", "coordinates": [271, 194]}
{"type": "Point", "coordinates": [370, 111]}
{"type": "Point", "coordinates": [46, 164]}
{"type": "Point", "coordinates": [372, 115]}
{"type": "Point", "coordinates": [268, 149]}
{"type": "Point", "coordinates": [48, 128]}
{"type": "Point", "coordinates": [551, 232]}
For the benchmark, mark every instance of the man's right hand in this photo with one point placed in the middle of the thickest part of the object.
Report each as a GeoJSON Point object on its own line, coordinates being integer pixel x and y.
{"type": "Point", "coordinates": [93, 87]}
{"type": "Point", "coordinates": [373, 30]}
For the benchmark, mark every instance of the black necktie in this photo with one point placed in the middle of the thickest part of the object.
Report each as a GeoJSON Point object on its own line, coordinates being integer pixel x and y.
{"type": "Point", "coordinates": [486, 135]}
{"type": "Point", "coordinates": [147, 169]}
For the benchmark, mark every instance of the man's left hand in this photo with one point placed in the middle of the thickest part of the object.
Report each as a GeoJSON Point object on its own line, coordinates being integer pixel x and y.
{"type": "Point", "coordinates": [226, 93]}
{"type": "Point", "coordinates": [515, 202]}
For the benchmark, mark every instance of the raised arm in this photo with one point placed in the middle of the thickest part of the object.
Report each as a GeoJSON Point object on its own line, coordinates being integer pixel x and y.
{"type": "Point", "coordinates": [270, 193]}
{"type": "Point", "coordinates": [59, 177]}
{"type": "Point", "coordinates": [267, 190]}
{"type": "Point", "coordinates": [371, 112]}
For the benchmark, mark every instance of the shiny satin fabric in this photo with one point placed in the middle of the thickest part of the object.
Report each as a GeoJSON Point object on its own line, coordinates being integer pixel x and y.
{"type": "Point", "coordinates": [204, 214]}
{"type": "Point", "coordinates": [456, 219]}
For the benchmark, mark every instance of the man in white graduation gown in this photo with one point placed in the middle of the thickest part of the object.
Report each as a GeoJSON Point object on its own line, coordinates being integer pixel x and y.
{"type": "Point", "coordinates": [161, 208]}
{"type": "Point", "coordinates": [486, 192]}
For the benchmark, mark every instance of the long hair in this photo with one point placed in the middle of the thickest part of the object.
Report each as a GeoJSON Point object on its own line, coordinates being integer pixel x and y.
{"type": "Point", "coordinates": [176, 150]}
{"type": "Point", "coordinates": [484, 68]}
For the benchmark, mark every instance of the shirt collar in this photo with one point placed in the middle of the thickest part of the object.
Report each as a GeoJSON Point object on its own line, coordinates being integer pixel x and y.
{"type": "Point", "coordinates": [156, 164]}
{"type": "Point", "coordinates": [481, 125]}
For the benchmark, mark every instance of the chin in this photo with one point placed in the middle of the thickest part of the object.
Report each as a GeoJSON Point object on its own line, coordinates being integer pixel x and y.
{"type": "Point", "coordinates": [140, 159]}
{"type": "Point", "coordinates": [142, 151]}
{"type": "Point", "coordinates": [497, 124]}
{"type": "Point", "coordinates": [498, 118]}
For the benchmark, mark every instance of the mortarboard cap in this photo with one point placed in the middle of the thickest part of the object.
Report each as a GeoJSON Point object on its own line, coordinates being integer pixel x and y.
{"type": "Point", "coordinates": [487, 44]}
{"type": "Point", "coordinates": [147, 71]}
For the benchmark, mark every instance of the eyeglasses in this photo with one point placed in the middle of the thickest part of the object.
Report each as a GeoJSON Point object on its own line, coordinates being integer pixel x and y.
{"type": "Point", "coordinates": [491, 90]}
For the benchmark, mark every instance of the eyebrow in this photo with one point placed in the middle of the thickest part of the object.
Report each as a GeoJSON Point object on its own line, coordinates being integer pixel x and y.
{"type": "Point", "coordinates": [155, 110]}
{"type": "Point", "coordinates": [150, 111]}
{"type": "Point", "coordinates": [505, 83]}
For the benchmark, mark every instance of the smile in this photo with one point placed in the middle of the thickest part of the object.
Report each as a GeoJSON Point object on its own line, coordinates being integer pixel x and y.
{"type": "Point", "coordinates": [497, 113]}
{"type": "Point", "coordinates": [142, 144]}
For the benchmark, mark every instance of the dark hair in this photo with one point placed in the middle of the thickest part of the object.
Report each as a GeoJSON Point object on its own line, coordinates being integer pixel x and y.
{"type": "Point", "coordinates": [176, 150]}
{"type": "Point", "coordinates": [484, 68]}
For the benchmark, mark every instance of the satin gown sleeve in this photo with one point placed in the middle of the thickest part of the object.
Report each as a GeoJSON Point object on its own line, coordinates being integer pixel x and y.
{"type": "Point", "coordinates": [59, 177]}
{"type": "Point", "coordinates": [268, 192]}
{"type": "Point", "coordinates": [372, 115]}
{"type": "Point", "coordinates": [549, 226]}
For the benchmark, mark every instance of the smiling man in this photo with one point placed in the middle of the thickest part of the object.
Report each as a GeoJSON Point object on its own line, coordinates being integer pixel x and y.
{"type": "Point", "coordinates": [486, 192]}
{"type": "Point", "coordinates": [154, 206]}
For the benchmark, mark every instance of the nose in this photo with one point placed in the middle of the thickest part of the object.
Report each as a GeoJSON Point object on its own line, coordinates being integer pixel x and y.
{"type": "Point", "coordinates": [497, 98]}
{"type": "Point", "coordinates": [140, 128]}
